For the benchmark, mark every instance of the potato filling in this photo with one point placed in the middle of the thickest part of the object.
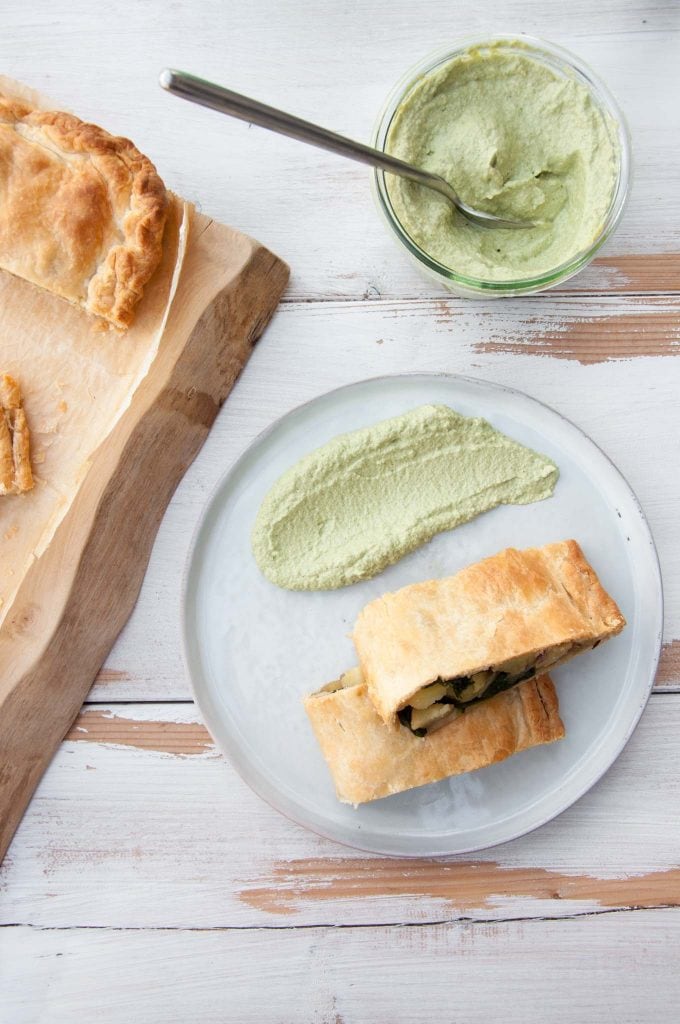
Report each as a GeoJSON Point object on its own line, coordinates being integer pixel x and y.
{"type": "Point", "coordinates": [352, 677]}
{"type": "Point", "coordinates": [445, 699]}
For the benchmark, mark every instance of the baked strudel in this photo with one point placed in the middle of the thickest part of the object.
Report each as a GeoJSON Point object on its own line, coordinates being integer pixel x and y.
{"type": "Point", "coordinates": [431, 651]}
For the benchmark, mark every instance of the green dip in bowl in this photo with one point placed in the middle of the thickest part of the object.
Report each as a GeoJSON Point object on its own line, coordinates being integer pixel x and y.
{"type": "Point", "coordinates": [520, 129]}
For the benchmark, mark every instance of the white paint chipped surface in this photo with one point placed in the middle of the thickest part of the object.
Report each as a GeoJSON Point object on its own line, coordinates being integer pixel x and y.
{"type": "Point", "coordinates": [181, 841]}
{"type": "Point", "coordinates": [413, 976]}
{"type": "Point", "coordinates": [146, 881]}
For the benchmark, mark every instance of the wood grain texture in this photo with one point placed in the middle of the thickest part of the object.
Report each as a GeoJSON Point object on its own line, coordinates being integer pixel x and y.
{"type": "Point", "coordinates": [646, 272]}
{"type": "Point", "coordinates": [668, 673]}
{"type": "Point", "coordinates": [164, 832]}
{"type": "Point", "coordinates": [51, 649]}
{"type": "Point", "coordinates": [462, 886]}
{"type": "Point", "coordinates": [612, 967]}
{"type": "Point", "coordinates": [103, 726]}
{"type": "Point", "coordinates": [652, 331]}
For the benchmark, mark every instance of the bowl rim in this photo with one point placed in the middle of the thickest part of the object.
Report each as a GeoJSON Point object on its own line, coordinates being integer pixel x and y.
{"type": "Point", "coordinates": [568, 64]}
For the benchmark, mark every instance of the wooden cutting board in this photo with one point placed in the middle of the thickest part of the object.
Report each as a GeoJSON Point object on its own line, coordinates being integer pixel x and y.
{"type": "Point", "coordinates": [77, 596]}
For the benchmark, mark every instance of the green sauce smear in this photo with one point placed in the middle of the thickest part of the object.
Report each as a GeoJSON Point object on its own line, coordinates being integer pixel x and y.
{"type": "Point", "coordinates": [515, 138]}
{"type": "Point", "coordinates": [364, 500]}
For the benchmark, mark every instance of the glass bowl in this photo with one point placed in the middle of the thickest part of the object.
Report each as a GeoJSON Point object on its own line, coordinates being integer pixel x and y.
{"type": "Point", "coordinates": [566, 65]}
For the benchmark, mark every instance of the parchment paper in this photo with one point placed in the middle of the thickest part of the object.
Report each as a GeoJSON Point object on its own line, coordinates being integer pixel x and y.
{"type": "Point", "coordinates": [77, 378]}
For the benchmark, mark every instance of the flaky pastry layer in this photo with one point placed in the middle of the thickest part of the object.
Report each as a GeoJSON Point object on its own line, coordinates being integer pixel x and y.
{"type": "Point", "coordinates": [16, 475]}
{"type": "Point", "coordinates": [516, 604]}
{"type": "Point", "coordinates": [82, 212]}
{"type": "Point", "coordinates": [369, 760]}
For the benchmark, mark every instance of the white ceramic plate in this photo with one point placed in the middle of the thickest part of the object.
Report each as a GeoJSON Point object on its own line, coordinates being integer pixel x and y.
{"type": "Point", "coordinates": [253, 649]}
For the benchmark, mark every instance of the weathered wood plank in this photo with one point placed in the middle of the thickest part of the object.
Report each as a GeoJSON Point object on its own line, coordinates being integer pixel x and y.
{"type": "Point", "coordinates": [465, 886]}
{"type": "Point", "coordinates": [668, 674]}
{"type": "Point", "coordinates": [140, 808]}
{"type": "Point", "coordinates": [97, 725]}
{"type": "Point", "coordinates": [614, 967]}
{"type": "Point", "coordinates": [599, 338]}
{"type": "Point", "coordinates": [645, 272]}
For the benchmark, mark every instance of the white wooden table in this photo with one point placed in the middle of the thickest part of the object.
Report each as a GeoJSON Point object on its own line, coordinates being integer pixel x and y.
{"type": "Point", "coordinates": [146, 882]}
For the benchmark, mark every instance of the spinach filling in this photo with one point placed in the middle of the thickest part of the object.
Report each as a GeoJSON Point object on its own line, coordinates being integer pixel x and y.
{"type": "Point", "coordinates": [455, 689]}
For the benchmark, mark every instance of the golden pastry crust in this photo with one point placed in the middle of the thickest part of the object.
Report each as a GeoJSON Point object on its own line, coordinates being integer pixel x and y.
{"type": "Point", "coordinates": [82, 212]}
{"type": "Point", "coordinates": [514, 603]}
{"type": "Point", "coordinates": [15, 446]}
{"type": "Point", "coordinates": [369, 760]}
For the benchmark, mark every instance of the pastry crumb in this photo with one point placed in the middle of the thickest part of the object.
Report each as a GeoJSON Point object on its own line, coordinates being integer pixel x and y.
{"type": "Point", "coordinates": [15, 454]}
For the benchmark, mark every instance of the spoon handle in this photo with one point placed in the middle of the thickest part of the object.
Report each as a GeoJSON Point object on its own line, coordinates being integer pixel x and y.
{"type": "Point", "coordinates": [207, 94]}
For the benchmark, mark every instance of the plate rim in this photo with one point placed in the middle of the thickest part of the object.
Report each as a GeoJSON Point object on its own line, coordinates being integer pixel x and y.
{"type": "Point", "coordinates": [254, 784]}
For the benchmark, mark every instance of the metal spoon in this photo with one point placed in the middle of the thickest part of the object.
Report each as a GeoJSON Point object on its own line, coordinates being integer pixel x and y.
{"type": "Point", "coordinates": [207, 94]}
